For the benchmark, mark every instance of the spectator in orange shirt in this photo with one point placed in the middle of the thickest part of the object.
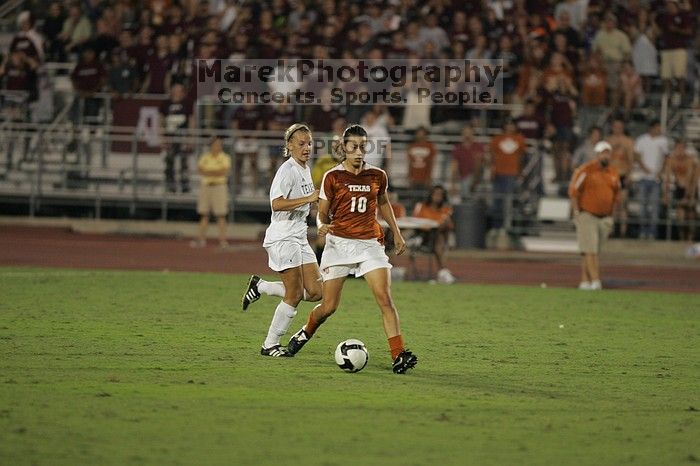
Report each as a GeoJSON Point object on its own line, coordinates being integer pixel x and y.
{"type": "Point", "coordinates": [437, 207]}
{"type": "Point", "coordinates": [421, 158]}
{"type": "Point", "coordinates": [593, 93]}
{"type": "Point", "coordinates": [593, 191]}
{"type": "Point", "coordinates": [507, 151]}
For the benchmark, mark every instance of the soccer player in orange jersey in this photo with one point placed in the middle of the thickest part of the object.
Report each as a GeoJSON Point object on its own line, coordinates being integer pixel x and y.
{"type": "Point", "coordinates": [349, 198]}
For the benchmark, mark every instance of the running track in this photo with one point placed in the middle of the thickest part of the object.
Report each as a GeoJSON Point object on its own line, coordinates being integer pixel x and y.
{"type": "Point", "coordinates": [56, 247]}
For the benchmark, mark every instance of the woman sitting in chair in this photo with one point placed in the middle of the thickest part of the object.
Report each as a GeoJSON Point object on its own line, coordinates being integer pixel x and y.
{"type": "Point", "coordinates": [436, 207]}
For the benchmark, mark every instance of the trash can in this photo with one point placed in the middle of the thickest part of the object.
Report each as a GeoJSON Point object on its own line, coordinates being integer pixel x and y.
{"type": "Point", "coordinates": [470, 224]}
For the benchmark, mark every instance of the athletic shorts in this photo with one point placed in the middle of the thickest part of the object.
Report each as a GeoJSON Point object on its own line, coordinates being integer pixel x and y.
{"type": "Point", "coordinates": [283, 255]}
{"type": "Point", "coordinates": [346, 256]}
{"type": "Point", "coordinates": [592, 232]}
{"type": "Point", "coordinates": [213, 199]}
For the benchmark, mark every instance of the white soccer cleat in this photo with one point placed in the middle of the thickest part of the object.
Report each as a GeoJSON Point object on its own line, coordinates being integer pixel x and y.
{"type": "Point", "coordinates": [584, 286]}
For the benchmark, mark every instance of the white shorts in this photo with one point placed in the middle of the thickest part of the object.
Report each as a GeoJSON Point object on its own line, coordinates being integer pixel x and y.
{"type": "Point", "coordinates": [345, 256]}
{"type": "Point", "coordinates": [283, 255]}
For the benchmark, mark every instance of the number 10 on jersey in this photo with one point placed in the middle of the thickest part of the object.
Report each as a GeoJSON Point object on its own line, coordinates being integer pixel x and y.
{"type": "Point", "coordinates": [358, 204]}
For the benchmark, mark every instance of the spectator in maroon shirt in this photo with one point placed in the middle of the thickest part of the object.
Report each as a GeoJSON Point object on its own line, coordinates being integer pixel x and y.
{"type": "Point", "coordinates": [177, 120]}
{"type": "Point", "coordinates": [201, 16]}
{"type": "Point", "coordinates": [105, 41]}
{"type": "Point", "coordinates": [175, 23]}
{"type": "Point", "coordinates": [128, 45]}
{"type": "Point", "coordinates": [321, 117]}
{"type": "Point", "coordinates": [156, 80]}
{"type": "Point", "coordinates": [248, 117]}
{"type": "Point", "coordinates": [53, 24]}
{"type": "Point", "coordinates": [458, 31]}
{"type": "Point", "coordinates": [27, 39]}
{"type": "Point", "coordinates": [88, 78]}
{"type": "Point", "coordinates": [123, 75]}
{"type": "Point", "coordinates": [676, 26]}
{"type": "Point", "coordinates": [467, 159]}
{"type": "Point", "coordinates": [17, 74]}
{"type": "Point", "coordinates": [145, 48]}
{"type": "Point", "coordinates": [529, 124]}
{"type": "Point", "coordinates": [559, 98]}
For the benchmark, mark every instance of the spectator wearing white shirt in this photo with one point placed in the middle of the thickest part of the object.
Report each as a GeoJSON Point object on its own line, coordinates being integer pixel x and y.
{"type": "Point", "coordinates": [576, 10]}
{"type": "Point", "coordinates": [378, 140]}
{"type": "Point", "coordinates": [652, 148]}
{"type": "Point", "coordinates": [644, 56]}
{"type": "Point", "coordinates": [432, 32]}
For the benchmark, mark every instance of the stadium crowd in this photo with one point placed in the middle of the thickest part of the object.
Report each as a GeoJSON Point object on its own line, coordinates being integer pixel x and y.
{"type": "Point", "coordinates": [572, 64]}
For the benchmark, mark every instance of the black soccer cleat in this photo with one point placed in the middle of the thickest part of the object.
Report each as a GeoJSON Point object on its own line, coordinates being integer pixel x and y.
{"type": "Point", "coordinates": [404, 361]}
{"type": "Point", "coordinates": [276, 351]}
{"type": "Point", "coordinates": [251, 293]}
{"type": "Point", "coordinates": [297, 341]}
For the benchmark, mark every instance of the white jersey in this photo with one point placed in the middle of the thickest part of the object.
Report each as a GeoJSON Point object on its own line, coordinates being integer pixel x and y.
{"type": "Point", "coordinates": [292, 181]}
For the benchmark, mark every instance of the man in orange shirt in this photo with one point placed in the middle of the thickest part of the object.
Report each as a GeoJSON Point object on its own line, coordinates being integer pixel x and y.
{"type": "Point", "coordinates": [507, 151]}
{"type": "Point", "coordinates": [594, 189]}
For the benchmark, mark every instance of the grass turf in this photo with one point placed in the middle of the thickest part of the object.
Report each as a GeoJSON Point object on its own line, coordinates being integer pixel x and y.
{"type": "Point", "coordinates": [163, 368]}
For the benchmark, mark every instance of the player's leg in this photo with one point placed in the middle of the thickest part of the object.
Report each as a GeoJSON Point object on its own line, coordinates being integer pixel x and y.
{"type": "Point", "coordinates": [284, 312]}
{"type": "Point", "coordinates": [313, 284]}
{"type": "Point", "coordinates": [379, 281]}
{"type": "Point", "coordinates": [332, 290]}
{"type": "Point", "coordinates": [312, 288]}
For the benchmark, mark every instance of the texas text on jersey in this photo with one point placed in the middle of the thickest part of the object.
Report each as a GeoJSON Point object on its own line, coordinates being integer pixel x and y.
{"type": "Point", "coordinates": [353, 201]}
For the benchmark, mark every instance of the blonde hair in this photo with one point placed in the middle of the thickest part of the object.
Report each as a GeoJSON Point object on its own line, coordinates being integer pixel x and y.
{"type": "Point", "coordinates": [290, 132]}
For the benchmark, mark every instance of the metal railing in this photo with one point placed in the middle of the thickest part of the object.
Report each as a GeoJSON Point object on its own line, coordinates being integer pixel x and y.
{"type": "Point", "coordinates": [61, 167]}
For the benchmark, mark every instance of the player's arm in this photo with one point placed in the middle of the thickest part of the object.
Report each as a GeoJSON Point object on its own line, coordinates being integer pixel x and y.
{"type": "Point", "coordinates": [280, 203]}
{"type": "Point", "coordinates": [323, 220]}
{"type": "Point", "coordinates": [388, 215]}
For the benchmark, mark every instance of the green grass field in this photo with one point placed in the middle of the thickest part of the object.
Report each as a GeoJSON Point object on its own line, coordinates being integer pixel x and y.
{"type": "Point", "coordinates": [132, 368]}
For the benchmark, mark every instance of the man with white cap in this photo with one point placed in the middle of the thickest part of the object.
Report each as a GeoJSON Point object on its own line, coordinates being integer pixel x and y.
{"type": "Point", "coordinates": [594, 188]}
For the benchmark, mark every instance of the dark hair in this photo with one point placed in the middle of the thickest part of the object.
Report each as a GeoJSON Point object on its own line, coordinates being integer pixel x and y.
{"type": "Point", "coordinates": [352, 130]}
{"type": "Point", "coordinates": [654, 122]}
{"type": "Point", "coordinates": [594, 128]}
{"type": "Point", "coordinates": [429, 199]}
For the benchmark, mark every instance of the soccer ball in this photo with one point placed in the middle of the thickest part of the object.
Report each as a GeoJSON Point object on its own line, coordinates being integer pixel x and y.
{"type": "Point", "coordinates": [351, 355]}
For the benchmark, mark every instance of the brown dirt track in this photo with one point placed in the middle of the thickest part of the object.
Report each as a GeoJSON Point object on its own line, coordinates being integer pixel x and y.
{"type": "Point", "coordinates": [59, 247]}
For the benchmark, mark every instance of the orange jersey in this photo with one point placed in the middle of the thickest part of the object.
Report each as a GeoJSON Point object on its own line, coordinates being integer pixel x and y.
{"type": "Point", "coordinates": [507, 151]}
{"type": "Point", "coordinates": [353, 201]}
{"type": "Point", "coordinates": [421, 157]}
{"type": "Point", "coordinates": [595, 188]}
{"type": "Point", "coordinates": [423, 210]}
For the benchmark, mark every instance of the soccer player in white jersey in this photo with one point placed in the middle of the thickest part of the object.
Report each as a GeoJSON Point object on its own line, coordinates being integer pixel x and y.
{"type": "Point", "coordinates": [350, 196]}
{"type": "Point", "coordinates": [286, 241]}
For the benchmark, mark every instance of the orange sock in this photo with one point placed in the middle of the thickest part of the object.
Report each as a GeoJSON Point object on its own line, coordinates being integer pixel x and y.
{"type": "Point", "coordinates": [311, 325]}
{"type": "Point", "coordinates": [396, 345]}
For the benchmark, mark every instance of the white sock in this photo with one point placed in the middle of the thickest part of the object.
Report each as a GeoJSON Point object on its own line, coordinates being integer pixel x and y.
{"type": "Point", "coordinates": [271, 288]}
{"type": "Point", "coordinates": [275, 289]}
{"type": "Point", "coordinates": [280, 324]}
